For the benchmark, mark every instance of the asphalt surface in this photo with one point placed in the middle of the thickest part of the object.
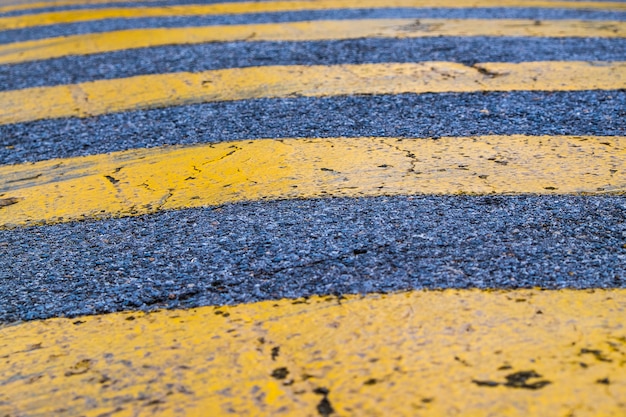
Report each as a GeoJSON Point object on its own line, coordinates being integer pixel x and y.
{"type": "Point", "coordinates": [272, 249]}
{"type": "Point", "coordinates": [407, 115]}
{"type": "Point", "coordinates": [40, 32]}
{"type": "Point", "coordinates": [203, 57]}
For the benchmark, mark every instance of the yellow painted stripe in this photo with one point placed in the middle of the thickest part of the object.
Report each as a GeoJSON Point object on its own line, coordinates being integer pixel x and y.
{"type": "Point", "coordinates": [27, 5]}
{"type": "Point", "coordinates": [162, 90]}
{"type": "Point", "coordinates": [148, 180]}
{"type": "Point", "coordinates": [439, 353]}
{"type": "Point", "coordinates": [71, 16]}
{"type": "Point", "coordinates": [303, 31]}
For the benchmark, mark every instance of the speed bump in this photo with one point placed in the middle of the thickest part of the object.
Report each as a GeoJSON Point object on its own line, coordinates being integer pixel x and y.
{"type": "Point", "coordinates": [72, 16]}
{"type": "Point", "coordinates": [136, 182]}
{"type": "Point", "coordinates": [435, 353]}
{"type": "Point", "coordinates": [440, 353]}
{"type": "Point", "coordinates": [163, 90]}
{"type": "Point", "coordinates": [94, 43]}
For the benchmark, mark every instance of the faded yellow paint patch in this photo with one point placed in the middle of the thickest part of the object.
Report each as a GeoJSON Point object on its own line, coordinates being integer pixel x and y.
{"type": "Point", "coordinates": [162, 90]}
{"type": "Point", "coordinates": [70, 16]}
{"type": "Point", "coordinates": [303, 31]}
{"type": "Point", "coordinates": [435, 353]}
{"type": "Point", "coordinates": [148, 180]}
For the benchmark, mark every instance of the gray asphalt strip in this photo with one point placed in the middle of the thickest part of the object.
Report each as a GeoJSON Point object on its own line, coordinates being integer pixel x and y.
{"type": "Point", "coordinates": [196, 58]}
{"type": "Point", "coordinates": [40, 32]}
{"type": "Point", "coordinates": [272, 249]}
{"type": "Point", "coordinates": [408, 115]}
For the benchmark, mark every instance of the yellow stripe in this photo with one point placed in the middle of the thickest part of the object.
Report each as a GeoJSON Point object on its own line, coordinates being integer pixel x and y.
{"type": "Point", "coordinates": [46, 4]}
{"type": "Point", "coordinates": [70, 16]}
{"type": "Point", "coordinates": [162, 90]}
{"type": "Point", "coordinates": [303, 31]}
{"type": "Point", "coordinates": [517, 353]}
{"type": "Point", "coordinates": [148, 180]}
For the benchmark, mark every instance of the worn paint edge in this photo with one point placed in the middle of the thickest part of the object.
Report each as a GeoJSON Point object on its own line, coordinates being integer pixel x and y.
{"type": "Point", "coordinates": [70, 16]}
{"type": "Point", "coordinates": [510, 353]}
{"type": "Point", "coordinates": [163, 90]}
{"type": "Point", "coordinates": [87, 44]}
{"type": "Point", "coordinates": [142, 181]}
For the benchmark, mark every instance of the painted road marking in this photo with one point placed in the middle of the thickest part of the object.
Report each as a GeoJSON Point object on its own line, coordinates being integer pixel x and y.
{"type": "Point", "coordinates": [163, 90]}
{"type": "Point", "coordinates": [33, 5]}
{"type": "Point", "coordinates": [304, 31]}
{"type": "Point", "coordinates": [466, 352]}
{"type": "Point", "coordinates": [471, 353]}
{"type": "Point", "coordinates": [144, 181]}
{"type": "Point", "coordinates": [71, 16]}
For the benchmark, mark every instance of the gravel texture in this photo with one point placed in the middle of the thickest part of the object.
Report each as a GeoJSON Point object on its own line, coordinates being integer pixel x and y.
{"type": "Point", "coordinates": [408, 115]}
{"type": "Point", "coordinates": [18, 35]}
{"type": "Point", "coordinates": [271, 249]}
{"type": "Point", "coordinates": [203, 57]}
{"type": "Point", "coordinates": [267, 250]}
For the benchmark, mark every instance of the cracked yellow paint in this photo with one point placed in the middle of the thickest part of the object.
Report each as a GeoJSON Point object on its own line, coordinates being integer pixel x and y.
{"type": "Point", "coordinates": [162, 90]}
{"type": "Point", "coordinates": [70, 16]}
{"type": "Point", "coordinates": [94, 43]}
{"type": "Point", "coordinates": [143, 181]}
{"type": "Point", "coordinates": [432, 353]}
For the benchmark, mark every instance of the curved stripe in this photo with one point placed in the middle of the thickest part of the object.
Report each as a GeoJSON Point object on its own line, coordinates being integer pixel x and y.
{"type": "Point", "coordinates": [42, 19]}
{"type": "Point", "coordinates": [153, 91]}
{"type": "Point", "coordinates": [304, 31]}
{"type": "Point", "coordinates": [148, 180]}
{"type": "Point", "coordinates": [223, 55]}
{"type": "Point", "coordinates": [80, 28]}
{"type": "Point", "coordinates": [506, 353]}
{"type": "Point", "coordinates": [58, 3]}
{"type": "Point", "coordinates": [405, 115]}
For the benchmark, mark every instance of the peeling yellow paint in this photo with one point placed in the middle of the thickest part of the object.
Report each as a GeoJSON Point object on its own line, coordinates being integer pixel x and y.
{"type": "Point", "coordinates": [433, 353]}
{"type": "Point", "coordinates": [94, 43]}
{"type": "Point", "coordinates": [162, 90]}
{"type": "Point", "coordinates": [69, 16]}
{"type": "Point", "coordinates": [143, 181]}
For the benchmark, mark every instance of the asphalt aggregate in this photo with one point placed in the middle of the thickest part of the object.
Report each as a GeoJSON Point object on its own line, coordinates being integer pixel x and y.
{"type": "Point", "coordinates": [211, 56]}
{"type": "Point", "coordinates": [264, 250]}
{"type": "Point", "coordinates": [267, 250]}
{"type": "Point", "coordinates": [50, 31]}
{"type": "Point", "coordinates": [407, 115]}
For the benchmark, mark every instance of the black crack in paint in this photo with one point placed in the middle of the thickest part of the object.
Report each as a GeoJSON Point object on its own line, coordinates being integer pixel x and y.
{"type": "Point", "coordinates": [604, 381]}
{"type": "Point", "coordinates": [111, 179]}
{"type": "Point", "coordinates": [461, 361]}
{"type": "Point", "coordinates": [516, 380]}
{"type": "Point", "coordinates": [520, 380]}
{"type": "Point", "coordinates": [4, 202]}
{"type": "Point", "coordinates": [324, 408]}
{"type": "Point", "coordinates": [486, 72]}
{"type": "Point", "coordinates": [371, 381]}
{"type": "Point", "coordinates": [33, 177]}
{"type": "Point", "coordinates": [485, 383]}
{"type": "Point", "coordinates": [596, 354]}
{"type": "Point", "coordinates": [280, 373]}
{"type": "Point", "coordinates": [79, 368]}
{"type": "Point", "coordinates": [275, 352]}
{"type": "Point", "coordinates": [359, 251]}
